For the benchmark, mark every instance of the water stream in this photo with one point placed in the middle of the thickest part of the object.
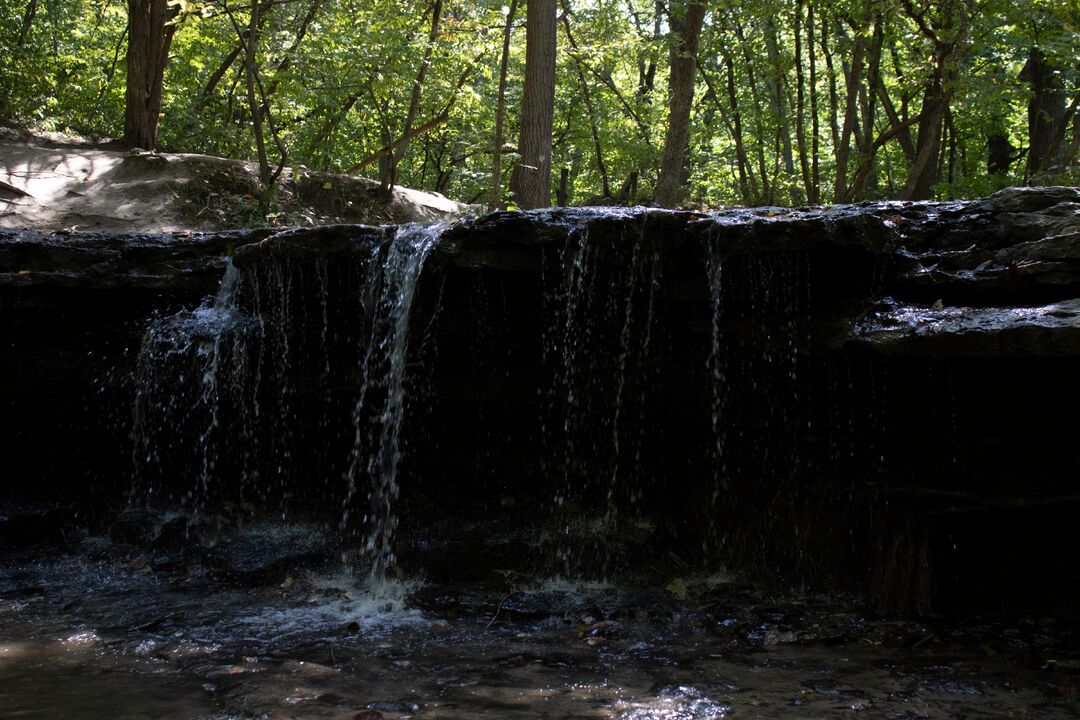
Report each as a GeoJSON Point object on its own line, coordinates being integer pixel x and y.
{"type": "Point", "coordinates": [105, 630]}
{"type": "Point", "coordinates": [376, 450]}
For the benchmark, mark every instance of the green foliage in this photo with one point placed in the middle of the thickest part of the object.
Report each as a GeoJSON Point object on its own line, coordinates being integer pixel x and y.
{"type": "Point", "coordinates": [339, 76]}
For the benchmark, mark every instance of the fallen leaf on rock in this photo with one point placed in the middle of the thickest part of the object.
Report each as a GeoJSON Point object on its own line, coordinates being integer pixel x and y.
{"type": "Point", "coordinates": [678, 589]}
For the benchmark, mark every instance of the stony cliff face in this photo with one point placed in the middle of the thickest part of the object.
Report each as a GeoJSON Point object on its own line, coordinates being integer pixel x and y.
{"type": "Point", "coordinates": [870, 397]}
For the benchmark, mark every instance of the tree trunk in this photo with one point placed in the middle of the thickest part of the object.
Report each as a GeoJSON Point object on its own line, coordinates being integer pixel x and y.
{"type": "Point", "coordinates": [834, 102]}
{"type": "Point", "coordinates": [777, 79]}
{"type": "Point", "coordinates": [1000, 153]}
{"type": "Point", "coordinates": [868, 101]}
{"type": "Point", "coordinates": [254, 106]}
{"type": "Point", "coordinates": [586, 97]}
{"type": "Point", "coordinates": [800, 109]}
{"type": "Point", "coordinates": [149, 37]}
{"type": "Point", "coordinates": [647, 64]}
{"type": "Point", "coordinates": [768, 188]}
{"type": "Point", "coordinates": [673, 167]}
{"type": "Point", "coordinates": [27, 23]}
{"type": "Point", "coordinates": [948, 35]}
{"type": "Point", "coordinates": [814, 189]}
{"type": "Point", "coordinates": [1046, 115]}
{"type": "Point", "coordinates": [1068, 158]}
{"type": "Point", "coordinates": [530, 181]}
{"type": "Point", "coordinates": [733, 123]}
{"type": "Point", "coordinates": [500, 111]}
{"type": "Point", "coordinates": [896, 120]}
{"type": "Point", "coordinates": [853, 79]}
{"type": "Point", "coordinates": [389, 174]}
{"type": "Point", "coordinates": [923, 174]}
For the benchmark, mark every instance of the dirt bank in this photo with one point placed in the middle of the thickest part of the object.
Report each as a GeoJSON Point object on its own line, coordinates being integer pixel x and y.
{"type": "Point", "coordinates": [55, 182]}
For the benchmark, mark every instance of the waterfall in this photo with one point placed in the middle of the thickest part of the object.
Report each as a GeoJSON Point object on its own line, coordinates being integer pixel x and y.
{"type": "Point", "coordinates": [760, 410]}
{"type": "Point", "coordinates": [179, 384]}
{"type": "Point", "coordinates": [598, 343]}
{"type": "Point", "coordinates": [376, 449]}
{"type": "Point", "coordinates": [221, 389]}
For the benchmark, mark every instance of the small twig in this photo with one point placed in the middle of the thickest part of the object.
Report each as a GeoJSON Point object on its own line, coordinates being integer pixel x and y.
{"type": "Point", "coordinates": [498, 609]}
{"type": "Point", "coordinates": [11, 188]}
{"type": "Point", "coordinates": [928, 638]}
{"type": "Point", "coordinates": [333, 660]}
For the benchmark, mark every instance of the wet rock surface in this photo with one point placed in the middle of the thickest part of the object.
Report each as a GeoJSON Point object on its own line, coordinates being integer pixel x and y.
{"type": "Point", "coordinates": [92, 629]}
{"type": "Point", "coordinates": [1044, 331]}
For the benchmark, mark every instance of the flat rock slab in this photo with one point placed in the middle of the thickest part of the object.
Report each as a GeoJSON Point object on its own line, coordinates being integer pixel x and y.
{"type": "Point", "coordinates": [1049, 330]}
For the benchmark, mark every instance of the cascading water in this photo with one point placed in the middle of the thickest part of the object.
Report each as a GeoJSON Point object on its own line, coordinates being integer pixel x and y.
{"type": "Point", "coordinates": [605, 298]}
{"type": "Point", "coordinates": [376, 448]}
{"type": "Point", "coordinates": [186, 347]}
{"type": "Point", "coordinates": [241, 369]}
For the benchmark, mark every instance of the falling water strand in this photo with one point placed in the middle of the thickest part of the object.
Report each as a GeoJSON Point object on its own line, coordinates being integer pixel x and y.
{"type": "Point", "coordinates": [714, 267]}
{"type": "Point", "coordinates": [368, 308]}
{"type": "Point", "coordinates": [577, 252]}
{"type": "Point", "coordinates": [173, 349]}
{"type": "Point", "coordinates": [220, 317]}
{"type": "Point", "coordinates": [378, 450]}
{"type": "Point", "coordinates": [620, 384]}
{"type": "Point", "coordinates": [646, 346]}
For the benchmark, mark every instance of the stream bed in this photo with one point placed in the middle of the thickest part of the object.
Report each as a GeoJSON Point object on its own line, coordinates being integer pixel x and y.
{"type": "Point", "coordinates": [91, 628]}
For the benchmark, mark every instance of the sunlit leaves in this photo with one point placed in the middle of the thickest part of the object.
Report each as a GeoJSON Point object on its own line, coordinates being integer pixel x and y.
{"type": "Point", "coordinates": [341, 91]}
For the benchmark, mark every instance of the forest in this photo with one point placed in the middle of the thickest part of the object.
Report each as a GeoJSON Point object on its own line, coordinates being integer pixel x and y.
{"type": "Point", "coordinates": [671, 102]}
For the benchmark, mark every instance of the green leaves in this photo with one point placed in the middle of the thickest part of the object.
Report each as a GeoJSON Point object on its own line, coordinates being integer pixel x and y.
{"type": "Point", "coordinates": [339, 90]}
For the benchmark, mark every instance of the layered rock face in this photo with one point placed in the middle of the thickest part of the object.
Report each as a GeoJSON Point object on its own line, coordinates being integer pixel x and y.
{"type": "Point", "coordinates": [859, 397]}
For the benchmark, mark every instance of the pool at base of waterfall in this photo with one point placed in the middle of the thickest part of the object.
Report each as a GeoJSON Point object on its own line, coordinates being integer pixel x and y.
{"type": "Point", "coordinates": [94, 628]}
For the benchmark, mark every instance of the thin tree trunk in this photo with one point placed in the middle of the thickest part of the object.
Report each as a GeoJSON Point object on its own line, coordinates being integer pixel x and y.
{"type": "Point", "coordinates": [814, 188]}
{"type": "Point", "coordinates": [258, 106]}
{"type": "Point", "coordinates": [530, 181]}
{"type": "Point", "coordinates": [389, 177]}
{"type": "Point", "coordinates": [1072, 119]}
{"type": "Point", "coordinates": [673, 167]}
{"type": "Point", "coordinates": [605, 79]}
{"type": "Point", "coordinates": [895, 120]}
{"type": "Point", "coordinates": [740, 144]}
{"type": "Point", "coordinates": [800, 108]}
{"type": "Point", "coordinates": [254, 106]}
{"type": "Point", "coordinates": [647, 64]}
{"type": "Point", "coordinates": [767, 188]}
{"type": "Point", "coordinates": [868, 104]}
{"type": "Point", "coordinates": [853, 78]}
{"type": "Point", "coordinates": [27, 23]}
{"type": "Point", "coordinates": [286, 61]}
{"type": "Point", "coordinates": [500, 111]}
{"type": "Point", "coordinates": [867, 165]}
{"type": "Point", "coordinates": [777, 81]}
{"type": "Point", "coordinates": [923, 172]}
{"type": "Point", "coordinates": [733, 121]}
{"type": "Point", "coordinates": [586, 97]}
{"type": "Point", "coordinates": [335, 119]}
{"type": "Point", "coordinates": [938, 93]}
{"type": "Point", "coordinates": [1069, 157]}
{"type": "Point", "coordinates": [595, 131]}
{"type": "Point", "coordinates": [391, 145]}
{"type": "Point", "coordinates": [834, 103]}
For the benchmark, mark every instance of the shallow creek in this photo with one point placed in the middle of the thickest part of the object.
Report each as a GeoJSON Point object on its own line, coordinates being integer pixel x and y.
{"type": "Point", "coordinates": [95, 630]}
